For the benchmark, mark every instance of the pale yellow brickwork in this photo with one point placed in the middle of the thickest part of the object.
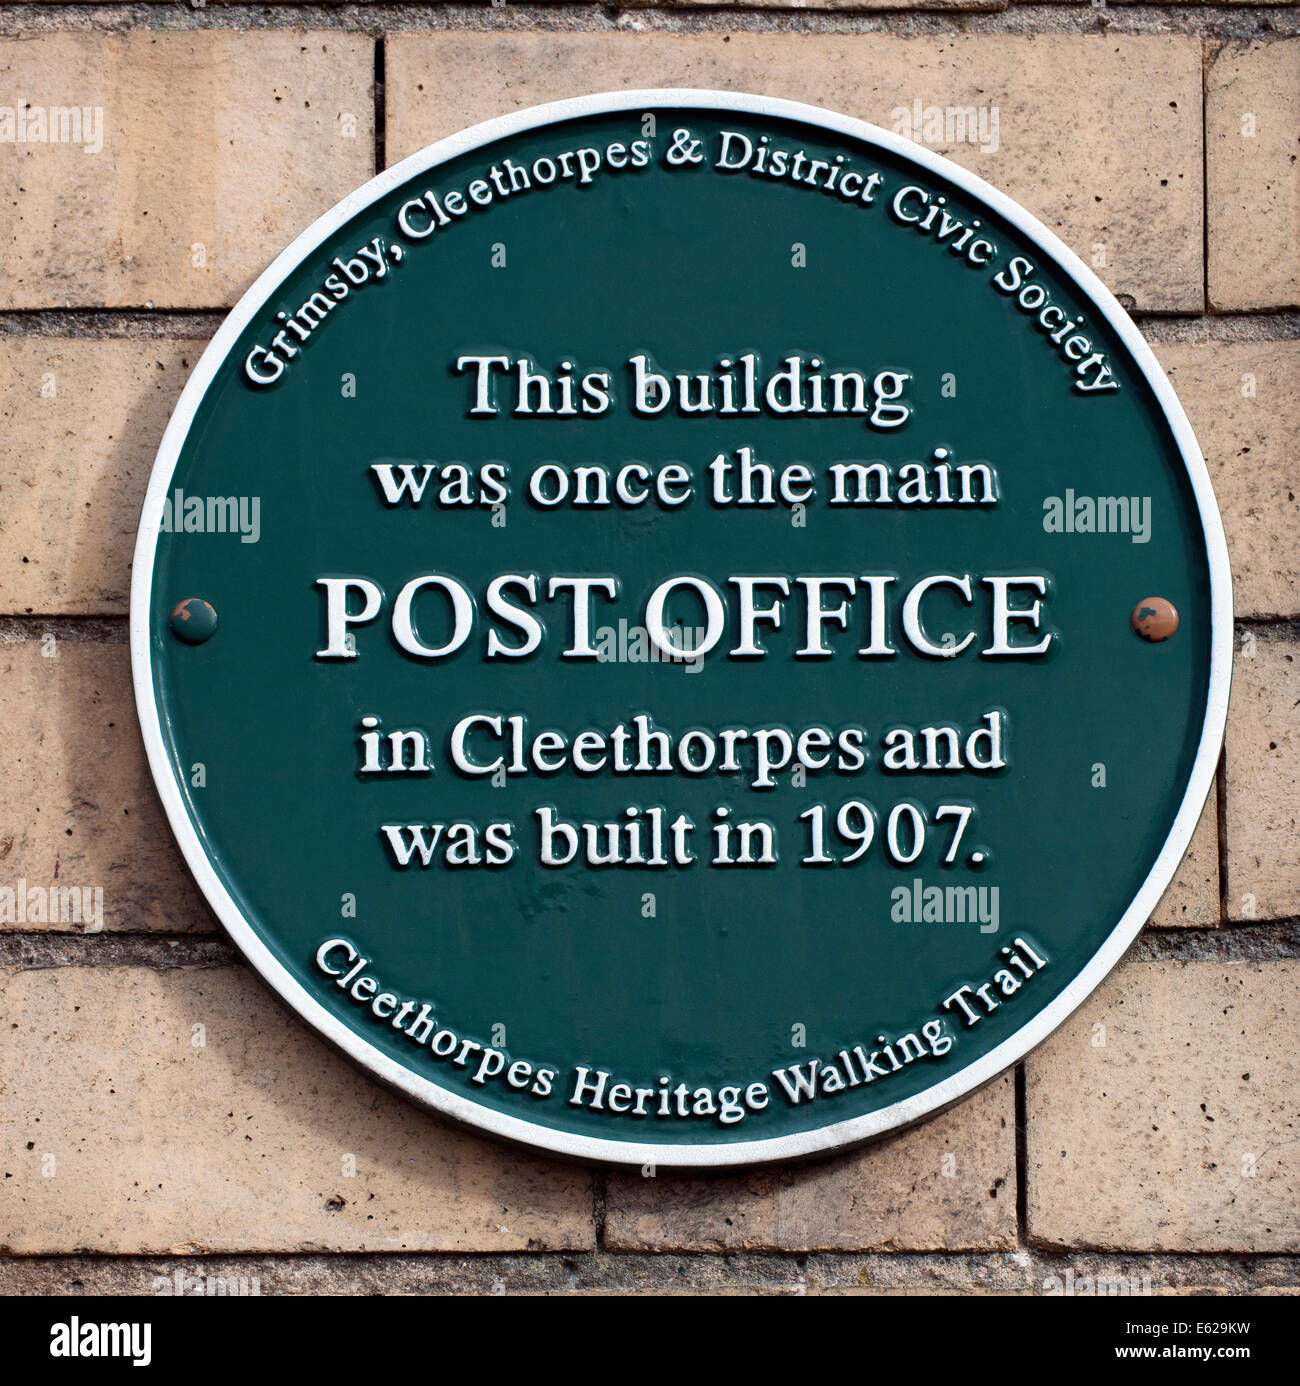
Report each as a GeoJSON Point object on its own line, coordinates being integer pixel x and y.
{"type": "Point", "coordinates": [1137, 219]}
{"type": "Point", "coordinates": [1243, 399]}
{"type": "Point", "coordinates": [81, 811]}
{"type": "Point", "coordinates": [218, 148]}
{"type": "Point", "coordinates": [1253, 189]}
{"type": "Point", "coordinates": [185, 1110]}
{"type": "Point", "coordinates": [1263, 805]}
{"type": "Point", "coordinates": [945, 1186]}
{"type": "Point", "coordinates": [1160, 1119]}
{"type": "Point", "coordinates": [1163, 1115]}
{"type": "Point", "coordinates": [80, 423]}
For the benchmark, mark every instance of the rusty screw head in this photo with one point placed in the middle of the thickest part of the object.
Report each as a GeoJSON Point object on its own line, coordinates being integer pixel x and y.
{"type": "Point", "coordinates": [1155, 619]}
{"type": "Point", "coordinates": [193, 621]}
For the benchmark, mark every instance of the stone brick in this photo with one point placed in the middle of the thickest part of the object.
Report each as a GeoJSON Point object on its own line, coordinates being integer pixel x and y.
{"type": "Point", "coordinates": [233, 142]}
{"type": "Point", "coordinates": [1179, 1131]}
{"type": "Point", "coordinates": [80, 422]}
{"type": "Point", "coordinates": [825, 4]}
{"type": "Point", "coordinates": [1253, 175]}
{"type": "Point", "coordinates": [1192, 899]}
{"type": "Point", "coordinates": [1134, 184]}
{"type": "Point", "coordinates": [1192, 4]}
{"type": "Point", "coordinates": [891, 1195]}
{"type": "Point", "coordinates": [1243, 399]}
{"type": "Point", "coordinates": [776, 4]}
{"type": "Point", "coordinates": [81, 811]}
{"type": "Point", "coordinates": [1262, 755]}
{"type": "Point", "coordinates": [238, 1136]}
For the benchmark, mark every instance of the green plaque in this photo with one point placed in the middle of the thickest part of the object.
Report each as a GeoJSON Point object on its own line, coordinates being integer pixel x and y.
{"type": "Point", "coordinates": [678, 628]}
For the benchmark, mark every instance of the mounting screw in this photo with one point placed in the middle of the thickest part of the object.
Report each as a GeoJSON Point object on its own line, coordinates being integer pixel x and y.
{"type": "Point", "coordinates": [193, 621]}
{"type": "Point", "coordinates": [1155, 619]}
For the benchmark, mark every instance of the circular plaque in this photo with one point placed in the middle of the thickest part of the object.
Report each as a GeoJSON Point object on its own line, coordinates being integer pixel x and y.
{"type": "Point", "coordinates": [678, 628]}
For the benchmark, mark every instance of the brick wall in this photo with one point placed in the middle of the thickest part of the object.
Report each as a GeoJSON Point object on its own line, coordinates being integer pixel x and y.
{"type": "Point", "coordinates": [1155, 1135]}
